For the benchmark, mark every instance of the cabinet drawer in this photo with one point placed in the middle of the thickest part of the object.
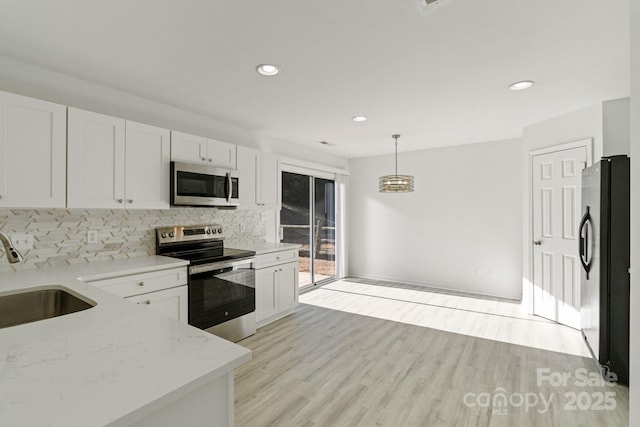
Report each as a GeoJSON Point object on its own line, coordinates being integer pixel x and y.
{"type": "Point", "coordinates": [275, 258]}
{"type": "Point", "coordinates": [137, 284]}
{"type": "Point", "coordinates": [170, 302]}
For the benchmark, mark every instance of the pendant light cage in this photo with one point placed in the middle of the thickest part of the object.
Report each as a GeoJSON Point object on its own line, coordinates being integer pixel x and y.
{"type": "Point", "coordinates": [396, 183]}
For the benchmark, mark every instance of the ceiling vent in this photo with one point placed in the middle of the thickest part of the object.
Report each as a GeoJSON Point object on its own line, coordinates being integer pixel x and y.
{"type": "Point", "coordinates": [428, 6]}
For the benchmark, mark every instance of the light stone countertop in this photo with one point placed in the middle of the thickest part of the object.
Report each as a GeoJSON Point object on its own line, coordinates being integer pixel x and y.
{"type": "Point", "coordinates": [109, 365]}
{"type": "Point", "coordinates": [266, 247]}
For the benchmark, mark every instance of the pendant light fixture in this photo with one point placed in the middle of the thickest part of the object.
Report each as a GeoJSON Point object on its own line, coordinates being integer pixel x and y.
{"type": "Point", "coordinates": [396, 183]}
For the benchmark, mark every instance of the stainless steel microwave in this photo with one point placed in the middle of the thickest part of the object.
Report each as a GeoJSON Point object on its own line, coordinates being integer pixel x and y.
{"type": "Point", "coordinates": [200, 185]}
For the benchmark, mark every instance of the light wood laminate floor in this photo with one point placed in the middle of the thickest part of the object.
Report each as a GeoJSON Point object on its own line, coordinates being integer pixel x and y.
{"type": "Point", "coordinates": [337, 366]}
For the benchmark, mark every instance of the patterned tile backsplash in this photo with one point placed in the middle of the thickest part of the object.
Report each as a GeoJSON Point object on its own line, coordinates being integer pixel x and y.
{"type": "Point", "coordinates": [60, 235]}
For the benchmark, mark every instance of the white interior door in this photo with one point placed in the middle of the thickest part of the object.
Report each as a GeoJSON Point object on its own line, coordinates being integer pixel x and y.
{"type": "Point", "coordinates": [556, 214]}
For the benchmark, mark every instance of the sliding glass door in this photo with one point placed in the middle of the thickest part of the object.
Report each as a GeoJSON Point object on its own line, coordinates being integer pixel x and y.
{"type": "Point", "coordinates": [308, 218]}
{"type": "Point", "coordinates": [324, 230]}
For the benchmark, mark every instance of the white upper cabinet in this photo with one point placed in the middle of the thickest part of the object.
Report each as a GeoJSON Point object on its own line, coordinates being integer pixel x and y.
{"type": "Point", "coordinates": [188, 148]}
{"type": "Point", "coordinates": [259, 178]}
{"type": "Point", "coordinates": [197, 149]}
{"type": "Point", "coordinates": [95, 173]}
{"type": "Point", "coordinates": [268, 179]}
{"type": "Point", "coordinates": [248, 159]}
{"type": "Point", "coordinates": [221, 154]}
{"type": "Point", "coordinates": [32, 152]}
{"type": "Point", "coordinates": [116, 164]}
{"type": "Point", "coordinates": [147, 154]}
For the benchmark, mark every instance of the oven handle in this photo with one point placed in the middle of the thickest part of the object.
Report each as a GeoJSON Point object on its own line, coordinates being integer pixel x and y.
{"type": "Point", "coordinates": [236, 264]}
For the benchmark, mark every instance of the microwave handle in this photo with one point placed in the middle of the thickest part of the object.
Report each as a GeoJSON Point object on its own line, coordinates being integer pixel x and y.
{"type": "Point", "coordinates": [229, 187]}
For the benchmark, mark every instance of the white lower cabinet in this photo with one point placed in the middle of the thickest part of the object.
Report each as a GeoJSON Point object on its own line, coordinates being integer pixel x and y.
{"type": "Point", "coordinates": [164, 291]}
{"type": "Point", "coordinates": [276, 288]}
{"type": "Point", "coordinates": [288, 286]}
{"type": "Point", "coordinates": [170, 302]}
{"type": "Point", "coordinates": [266, 282]}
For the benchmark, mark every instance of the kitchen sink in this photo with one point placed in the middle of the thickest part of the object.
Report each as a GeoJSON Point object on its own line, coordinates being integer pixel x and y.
{"type": "Point", "coordinates": [40, 304]}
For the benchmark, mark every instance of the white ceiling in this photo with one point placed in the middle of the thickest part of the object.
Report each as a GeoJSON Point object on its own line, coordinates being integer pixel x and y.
{"type": "Point", "coordinates": [437, 77]}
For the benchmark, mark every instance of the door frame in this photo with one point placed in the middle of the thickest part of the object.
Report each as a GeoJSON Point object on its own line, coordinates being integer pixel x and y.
{"type": "Point", "coordinates": [528, 286]}
{"type": "Point", "coordinates": [339, 176]}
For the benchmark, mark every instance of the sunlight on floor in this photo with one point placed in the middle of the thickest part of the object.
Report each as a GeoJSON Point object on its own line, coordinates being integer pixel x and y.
{"type": "Point", "coordinates": [482, 318]}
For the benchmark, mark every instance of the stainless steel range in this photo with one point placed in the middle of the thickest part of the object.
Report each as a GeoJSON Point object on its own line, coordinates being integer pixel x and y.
{"type": "Point", "coordinates": [221, 280]}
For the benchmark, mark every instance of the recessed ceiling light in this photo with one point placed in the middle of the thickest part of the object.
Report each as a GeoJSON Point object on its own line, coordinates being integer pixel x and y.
{"type": "Point", "coordinates": [267, 69]}
{"type": "Point", "coordinates": [359, 119]}
{"type": "Point", "coordinates": [524, 84]}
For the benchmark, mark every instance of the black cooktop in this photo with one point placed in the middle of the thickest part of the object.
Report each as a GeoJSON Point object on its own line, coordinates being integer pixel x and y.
{"type": "Point", "coordinates": [214, 256]}
{"type": "Point", "coordinates": [200, 244]}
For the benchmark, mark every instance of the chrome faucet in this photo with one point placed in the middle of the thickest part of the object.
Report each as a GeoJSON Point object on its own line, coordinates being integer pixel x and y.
{"type": "Point", "coordinates": [12, 253]}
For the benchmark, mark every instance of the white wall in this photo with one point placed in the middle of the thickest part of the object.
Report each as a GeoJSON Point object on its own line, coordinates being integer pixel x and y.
{"type": "Point", "coordinates": [38, 83]}
{"type": "Point", "coordinates": [615, 127]}
{"type": "Point", "coordinates": [634, 369]}
{"type": "Point", "coordinates": [464, 214]}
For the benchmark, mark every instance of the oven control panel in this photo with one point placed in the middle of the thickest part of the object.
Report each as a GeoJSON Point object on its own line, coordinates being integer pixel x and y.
{"type": "Point", "coordinates": [189, 233]}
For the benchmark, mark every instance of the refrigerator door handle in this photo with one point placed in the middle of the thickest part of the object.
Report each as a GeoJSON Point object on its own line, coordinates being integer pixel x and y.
{"type": "Point", "coordinates": [583, 232]}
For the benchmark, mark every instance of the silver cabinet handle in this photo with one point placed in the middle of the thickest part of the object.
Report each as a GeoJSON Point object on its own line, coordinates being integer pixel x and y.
{"type": "Point", "coordinates": [140, 283]}
{"type": "Point", "coordinates": [130, 201]}
{"type": "Point", "coordinates": [147, 302]}
{"type": "Point", "coordinates": [119, 200]}
{"type": "Point", "coordinates": [537, 242]}
{"type": "Point", "coordinates": [210, 160]}
{"type": "Point", "coordinates": [203, 159]}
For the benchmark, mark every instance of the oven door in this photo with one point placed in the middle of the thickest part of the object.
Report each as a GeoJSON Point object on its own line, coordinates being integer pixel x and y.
{"type": "Point", "coordinates": [220, 292]}
{"type": "Point", "coordinates": [198, 185]}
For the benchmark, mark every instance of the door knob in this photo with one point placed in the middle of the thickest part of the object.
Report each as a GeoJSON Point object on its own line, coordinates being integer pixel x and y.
{"type": "Point", "coordinates": [537, 242]}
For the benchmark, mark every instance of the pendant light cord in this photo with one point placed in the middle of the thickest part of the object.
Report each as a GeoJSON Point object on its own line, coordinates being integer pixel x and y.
{"type": "Point", "coordinates": [396, 138]}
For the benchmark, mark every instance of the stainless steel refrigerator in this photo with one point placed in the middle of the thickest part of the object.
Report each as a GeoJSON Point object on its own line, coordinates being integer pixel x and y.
{"type": "Point", "coordinates": [604, 254]}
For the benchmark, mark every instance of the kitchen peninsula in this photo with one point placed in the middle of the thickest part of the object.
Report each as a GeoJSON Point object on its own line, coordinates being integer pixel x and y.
{"type": "Point", "coordinates": [116, 363]}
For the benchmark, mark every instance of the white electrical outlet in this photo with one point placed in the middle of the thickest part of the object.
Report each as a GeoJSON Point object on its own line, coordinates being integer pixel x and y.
{"type": "Point", "coordinates": [242, 228]}
{"type": "Point", "coordinates": [478, 271]}
{"type": "Point", "coordinates": [492, 272]}
{"type": "Point", "coordinates": [264, 216]}
{"type": "Point", "coordinates": [22, 241]}
{"type": "Point", "coordinates": [92, 236]}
